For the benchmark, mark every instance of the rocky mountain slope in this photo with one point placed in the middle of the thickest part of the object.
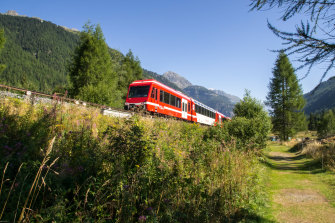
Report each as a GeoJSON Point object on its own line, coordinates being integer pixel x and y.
{"type": "Point", "coordinates": [178, 80]}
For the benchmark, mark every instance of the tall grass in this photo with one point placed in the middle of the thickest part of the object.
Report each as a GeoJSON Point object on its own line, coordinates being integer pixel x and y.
{"type": "Point", "coordinates": [122, 170]}
{"type": "Point", "coordinates": [324, 152]}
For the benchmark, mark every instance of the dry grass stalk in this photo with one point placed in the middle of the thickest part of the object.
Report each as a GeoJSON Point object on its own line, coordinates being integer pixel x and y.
{"type": "Point", "coordinates": [35, 182]}
{"type": "Point", "coordinates": [3, 177]}
{"type": "Point", "coordinates": [11, 189]}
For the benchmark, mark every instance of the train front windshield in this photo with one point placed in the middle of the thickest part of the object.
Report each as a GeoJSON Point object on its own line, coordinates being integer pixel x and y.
{"type": "Point", "coordinates": [139, 91]}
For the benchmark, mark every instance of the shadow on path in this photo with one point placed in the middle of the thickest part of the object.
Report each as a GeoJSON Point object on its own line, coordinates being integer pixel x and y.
{"type": "Point", "coordinates": [294, 161]}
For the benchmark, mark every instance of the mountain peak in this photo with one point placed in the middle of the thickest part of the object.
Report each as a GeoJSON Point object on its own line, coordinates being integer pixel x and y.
{"type": "Point", "coordinates": [177, 79]}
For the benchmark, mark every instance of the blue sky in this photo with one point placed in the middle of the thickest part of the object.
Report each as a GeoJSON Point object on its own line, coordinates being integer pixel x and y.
{"type": "Point", "coordinates": [214, 43]}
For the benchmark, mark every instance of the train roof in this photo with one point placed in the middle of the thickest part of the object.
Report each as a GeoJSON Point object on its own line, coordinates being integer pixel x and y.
{"type": "Point", "coordinates": [163, 85]}
{"type": "Point", "coordinates": [177, 92]}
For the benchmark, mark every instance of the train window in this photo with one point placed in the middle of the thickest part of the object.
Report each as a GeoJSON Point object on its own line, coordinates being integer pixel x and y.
{"type": "Point", "coordinates": [173, 100]}
{"type": "Point", "coordinates": [178, 102]}
{"type": "Point", "coordinates": [189, 107]}
{"type": "Point", "coordinates": [139, 91]}
{"type": "Point", "coordinates": [161, 95]}
{"type": "Point", "coordinates": [153, 93]}
{"type": "Point", "coordinates": [166, 98]}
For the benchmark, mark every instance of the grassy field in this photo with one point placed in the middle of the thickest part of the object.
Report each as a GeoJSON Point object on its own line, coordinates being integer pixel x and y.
{"type": "Point", "coordinates": [300, 189]}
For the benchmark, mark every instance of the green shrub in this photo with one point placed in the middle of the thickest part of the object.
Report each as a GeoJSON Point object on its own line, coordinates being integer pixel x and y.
{"type": "Point", "coordinates": [134, 170]}
{"type": "Point", "coordinates": [251, 124]}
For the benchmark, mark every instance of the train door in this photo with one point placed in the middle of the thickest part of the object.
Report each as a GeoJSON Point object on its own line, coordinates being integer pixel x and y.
{"type": "Point", "coordinates": [154, 97]}
{"type": "Point", "coordinates": [184, 108]}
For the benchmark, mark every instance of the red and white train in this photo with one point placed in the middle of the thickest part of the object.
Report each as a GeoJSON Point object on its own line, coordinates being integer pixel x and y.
{"type": "Point", "coordinates": [156, 97]}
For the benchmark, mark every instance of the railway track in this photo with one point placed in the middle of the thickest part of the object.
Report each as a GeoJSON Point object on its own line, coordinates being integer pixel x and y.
{"type": "Point", "coordinates": [39, 97]}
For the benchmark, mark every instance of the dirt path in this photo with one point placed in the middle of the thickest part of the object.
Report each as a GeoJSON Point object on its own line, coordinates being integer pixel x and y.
{"type": "Point", "coordinates": [299, 193]}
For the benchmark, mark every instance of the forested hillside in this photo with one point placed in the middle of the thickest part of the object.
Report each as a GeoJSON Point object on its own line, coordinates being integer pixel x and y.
{"type": "Point", "coordinates": [322, 98]}
{"type": "Point", "coordinates": [36, 53]}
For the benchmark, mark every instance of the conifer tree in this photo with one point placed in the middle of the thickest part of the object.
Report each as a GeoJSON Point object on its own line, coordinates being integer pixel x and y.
{"type": "Point", "coordinates": [2, 44]}
{"type": "Point", "coordinates": [313, 41]}
{"type": "Point", "coordinates": [92, 72]}
{"type": "Point", "coordinates": [130, 71]}
{"type": "Point", "coordinates": [285, 99]}
{"type": "Point", "coordinates": [326, 126]}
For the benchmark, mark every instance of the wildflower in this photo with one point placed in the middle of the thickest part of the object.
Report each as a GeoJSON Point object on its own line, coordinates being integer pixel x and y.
{"type": "Point", "coordinates": [9, 149]}
{"type": "Point", "coordinates": [149, 209]}
{"type": "Point", "coordinates": [142, 218]}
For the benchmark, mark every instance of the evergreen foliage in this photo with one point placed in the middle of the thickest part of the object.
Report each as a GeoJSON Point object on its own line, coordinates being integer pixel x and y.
{"type": "Point", "coordinates": [92, 75]}
{"type": "Point", "coordinates": [285, 99]}
{"type": "Point", "coordinates": [2, 43]}
{"type": "Point", "coordinates": [36, 53]}
{"type": "Point", "coordinates": [130, 70]}
{"type": "Point", "coordinates": [326, 125]}
{"type": "Point", "coordinates": [313, 121]}
{"type": "Point", "coordinates": [314, 40]}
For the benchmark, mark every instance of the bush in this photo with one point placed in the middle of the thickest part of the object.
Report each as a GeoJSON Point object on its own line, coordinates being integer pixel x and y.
{"type": "Point", "coordinates": [134, 170]}
{"type": "Point", "coordinates": [251, 124]}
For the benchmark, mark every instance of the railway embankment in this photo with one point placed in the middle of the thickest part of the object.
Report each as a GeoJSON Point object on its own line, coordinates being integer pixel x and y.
{"type": "Point", "coordinates": [71, 163]}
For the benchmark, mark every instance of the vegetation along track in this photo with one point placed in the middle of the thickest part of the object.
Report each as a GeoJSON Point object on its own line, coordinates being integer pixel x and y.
{"type": "Point", "coordinates": [47, 98]}
{"type": "Point", "coordinates": [301, 190]}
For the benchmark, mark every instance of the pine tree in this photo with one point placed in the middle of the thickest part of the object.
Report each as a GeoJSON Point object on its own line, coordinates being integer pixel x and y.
{"type": "Point", "coordinates": [130, 71]}
{"type": "Point", "coordinates": [92, 72]}
{"type": "Point", "coordinates": [313, 41]}
{"type": "Point", "coordinates": [326, 126]}
{"type": "Point", "coordinates": [2, 44]}
{"type": "Point", "coordinates": [286, 100]}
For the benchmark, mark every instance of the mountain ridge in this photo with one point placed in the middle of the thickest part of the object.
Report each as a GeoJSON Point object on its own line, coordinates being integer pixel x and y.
{"type": "Point", "coordinates": [217, 99]}
{"type": "Point", "coordinates": [321, 97]}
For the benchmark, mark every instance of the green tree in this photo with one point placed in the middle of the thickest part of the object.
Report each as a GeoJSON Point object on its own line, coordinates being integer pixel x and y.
{"type": "Point", "coordinates": [313, 121]}
{"type": "Point", "coordinates": [2, 44]}
{"type": "Point", "coordinates": [314, 40]}
{"type": "Point", "coordinates": [251, 123]}
{"type": "Point", "coordinates": [92, 72]}
{"type": "Point", "coordinates": [130, 71]}
{"type": "Point", "coordinates": [326, 125]}
{"type": "Point", "coordinates": [285, 99]}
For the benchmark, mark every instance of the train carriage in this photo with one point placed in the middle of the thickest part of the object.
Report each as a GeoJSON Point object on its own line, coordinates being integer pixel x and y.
{"type": "Point", "coordinates": [157, 98]}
